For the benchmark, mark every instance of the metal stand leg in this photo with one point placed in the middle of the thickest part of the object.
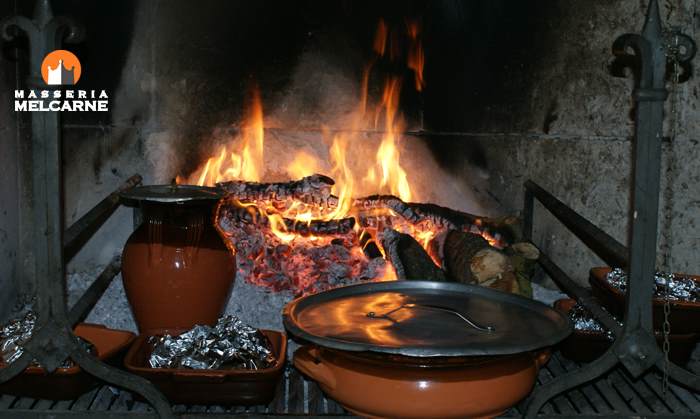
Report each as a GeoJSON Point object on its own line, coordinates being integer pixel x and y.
{"type": "Point", "coordinates": [53, 340]}
{"type": "Point", "coordinates": [635, 347]}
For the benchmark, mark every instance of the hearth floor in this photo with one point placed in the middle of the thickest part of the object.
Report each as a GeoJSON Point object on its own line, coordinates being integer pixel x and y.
{"type": "Point", "coordinates": [614, 394]}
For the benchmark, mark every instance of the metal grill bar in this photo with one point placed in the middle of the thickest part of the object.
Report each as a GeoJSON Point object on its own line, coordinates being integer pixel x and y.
{"type": "Point", "coordinates": [615, 394]}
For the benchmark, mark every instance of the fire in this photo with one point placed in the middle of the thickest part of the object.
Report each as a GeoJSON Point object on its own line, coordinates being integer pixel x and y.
{"type": "Point", "coordinates": [243, 157]}
{"type": "Point", "coordinates": [416, 56]}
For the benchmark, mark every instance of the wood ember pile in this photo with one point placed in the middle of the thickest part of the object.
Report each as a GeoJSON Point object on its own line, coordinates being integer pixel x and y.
{"type": "Point", "coordinates": [291, 236]}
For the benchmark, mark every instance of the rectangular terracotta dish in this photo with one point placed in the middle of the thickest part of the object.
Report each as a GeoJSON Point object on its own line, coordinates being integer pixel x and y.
{"type": "Point", "coordinates": [684, 316]}
{"type": "Point", "coordinates": [69, 383]}
{"type": "Point", "coordinates": [230, 386]}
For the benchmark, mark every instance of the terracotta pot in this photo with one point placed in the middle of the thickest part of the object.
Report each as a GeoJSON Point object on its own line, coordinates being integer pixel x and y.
{"type": "Point", "coordinates": [588, 345]}
{"type": "Point", "coordinates": [69, 383]}
{"type": "Point", "coordinates": [176, 269]}
{"type": "Point", "coordinates": [684, 316]}
{"type": "Point", "coordinates": [230, 386]}
{"type": "Point", "coordinates": [407, 387]}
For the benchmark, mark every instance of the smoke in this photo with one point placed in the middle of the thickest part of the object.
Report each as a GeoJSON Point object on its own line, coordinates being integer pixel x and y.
{"type": "Point", "coordinates": [186, 119]}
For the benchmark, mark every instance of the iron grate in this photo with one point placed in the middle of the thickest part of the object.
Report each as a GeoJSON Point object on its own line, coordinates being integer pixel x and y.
{"type": "Point", "coordinates": [614, 394]}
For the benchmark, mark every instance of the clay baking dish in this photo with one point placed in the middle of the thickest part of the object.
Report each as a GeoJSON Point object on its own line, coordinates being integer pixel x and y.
{"type": "Point", "coordinates": [587, 345]}
{"type": "Point", "coordinates": [382, 385]}
{"type": "Point", "coordinates": [231, 386]}
{"type": "Point", "coordinates": [69, 383]}
{"type": "Point", "coordinates": [684, 317]}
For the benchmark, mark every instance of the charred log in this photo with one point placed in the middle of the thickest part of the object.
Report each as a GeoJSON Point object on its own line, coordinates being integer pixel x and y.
{"type": "Point", "coordinates": [230, 214]}
{"type": "Point", "coordinates": [410, 260]}
{"type": "Point", "coordinates": [314, 189]}
{"type": "Point", "coordinates": [369, 246]}
{"type": "Point", "coordinates": [507, 229]}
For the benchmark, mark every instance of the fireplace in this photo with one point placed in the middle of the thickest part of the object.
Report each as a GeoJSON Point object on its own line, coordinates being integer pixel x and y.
{"type": "Point", "coordinates": [359, 142]}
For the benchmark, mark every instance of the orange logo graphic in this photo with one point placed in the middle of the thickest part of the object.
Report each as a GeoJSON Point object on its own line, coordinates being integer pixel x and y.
{"type": "Point", "coordinates": [60, 67]}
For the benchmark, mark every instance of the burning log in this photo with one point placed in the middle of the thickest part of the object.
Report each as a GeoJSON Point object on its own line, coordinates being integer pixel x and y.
{"type": "Point", "coordinates": [369, 246]}
{"type": "Point", "coordinates": [507, 229]}
{"type": "Point", "coordinates": [409, 258]}
{"type": "Point", "coordinates": [469, 258]}
{"type": "Point", "coordinates": [230, 213]}
{"type": "Point", "coordinates": [314, 189]}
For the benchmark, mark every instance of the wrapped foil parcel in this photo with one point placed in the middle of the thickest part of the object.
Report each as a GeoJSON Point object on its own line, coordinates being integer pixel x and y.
{"type": "Point", "coordinates": [583, 321]}
{"type": "Point", "coordinates": [231, 344]}
{"type": "Point", "coordinates": [17, 332]}
{"type": "Point", "coordinates": [680, 288]}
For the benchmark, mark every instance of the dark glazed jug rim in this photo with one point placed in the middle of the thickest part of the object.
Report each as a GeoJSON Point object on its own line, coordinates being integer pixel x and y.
{"type": "Point", "coordinates": [172, 194]}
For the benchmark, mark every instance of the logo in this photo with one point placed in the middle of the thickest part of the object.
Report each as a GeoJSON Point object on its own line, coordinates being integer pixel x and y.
{"type": "Point", "coordinates": [60, 67]}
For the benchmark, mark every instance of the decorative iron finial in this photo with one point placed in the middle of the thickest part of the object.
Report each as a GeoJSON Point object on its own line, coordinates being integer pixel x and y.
{"type": "Point", "coordinates": [42, 13]}
{"type": "Point", "coordinates": [652, 24]}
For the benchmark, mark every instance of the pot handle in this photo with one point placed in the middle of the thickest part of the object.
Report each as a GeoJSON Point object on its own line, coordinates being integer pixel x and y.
{"type": "Point", "coordinates": [306, 360]}
{"type": "Point", "coordinates": [542, 357]}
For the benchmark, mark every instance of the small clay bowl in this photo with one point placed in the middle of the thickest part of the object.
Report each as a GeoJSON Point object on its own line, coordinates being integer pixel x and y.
{"type": "Point", "coordinates": [588, 345]}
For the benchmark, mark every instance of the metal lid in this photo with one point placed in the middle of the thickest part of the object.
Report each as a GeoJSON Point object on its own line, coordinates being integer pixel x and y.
{"type": "Point", "coordinates": [425, 319]}
{"type": "Point", "coordinates": [173, 194]}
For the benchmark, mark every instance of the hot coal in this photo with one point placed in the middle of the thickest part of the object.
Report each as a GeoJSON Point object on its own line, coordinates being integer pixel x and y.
{"type": "Point", "coordinates": [680, 287]}
{"type": "Point", "coordinates": [286, 235]}
{"type": "Point", "coordinates": [231, 344]}
{"type": "Point", "coordinates": [305, 265]}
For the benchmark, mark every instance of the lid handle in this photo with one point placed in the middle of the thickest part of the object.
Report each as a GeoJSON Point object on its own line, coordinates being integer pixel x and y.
{"type": "Point", "coordinates": [387, 315]}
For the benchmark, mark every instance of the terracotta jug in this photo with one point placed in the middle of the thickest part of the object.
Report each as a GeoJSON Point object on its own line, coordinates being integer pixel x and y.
{"type": "Point", "coordinates": [176, 269]}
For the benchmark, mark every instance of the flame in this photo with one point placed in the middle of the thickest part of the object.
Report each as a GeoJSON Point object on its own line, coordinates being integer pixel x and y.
{"type": "Point", "coordinates": [380, 38]}
{"type": "Point", "coordinates": [245, 158]}
{"type": "Point", "coordinates": [304, 164]}
{"type": "Point", "coordinates": [416, 56]}
{"type": "Point", "coordinates": [356, 174]}
{"type": "Point", "coordinates": [393, 175]}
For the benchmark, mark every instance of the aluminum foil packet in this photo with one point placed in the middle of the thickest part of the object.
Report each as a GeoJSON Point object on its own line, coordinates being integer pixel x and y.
{"type": "Point", "coordinates": [680, 288]}
{"type": "Point", "coordinates": [231, 344]}
{"type": "Point", "coordinates": [583, 321]}
{"type": "Point", "coordinates": [15, 334]}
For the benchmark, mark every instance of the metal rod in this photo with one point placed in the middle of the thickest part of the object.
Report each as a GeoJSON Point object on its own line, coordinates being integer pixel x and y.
{"type": "Point", "coordinates": [649, 96]}
{"type": "Point", "coordinates": [568, 381]}
{"type": "Point", "coordinates": [234, 130]}
{"type": "Point", "coordinates": [92, 295]}
{"type": "Point", "coordinates": [528, 213]}
{"type": "Point", "coordinates": [605, 246]}
{"type": "Point", "coordinates": [581, 294]}
{"type": "Point", "coordinates": [124, 379]}
{"type": "Point", "coordinates": [82, 230]}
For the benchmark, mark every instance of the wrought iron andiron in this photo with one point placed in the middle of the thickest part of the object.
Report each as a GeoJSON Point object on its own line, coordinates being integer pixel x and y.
{"type": "Point", "coordinates": [53, 340]}
{"type": "Point", "coordinates": [636, 348]}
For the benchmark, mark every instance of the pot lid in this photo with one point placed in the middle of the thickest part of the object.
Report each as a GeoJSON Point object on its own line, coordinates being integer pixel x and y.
{"type": "Point", "coordinates": [179, 194]}
{"type": "Point", "coordinates": [425, 319]}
